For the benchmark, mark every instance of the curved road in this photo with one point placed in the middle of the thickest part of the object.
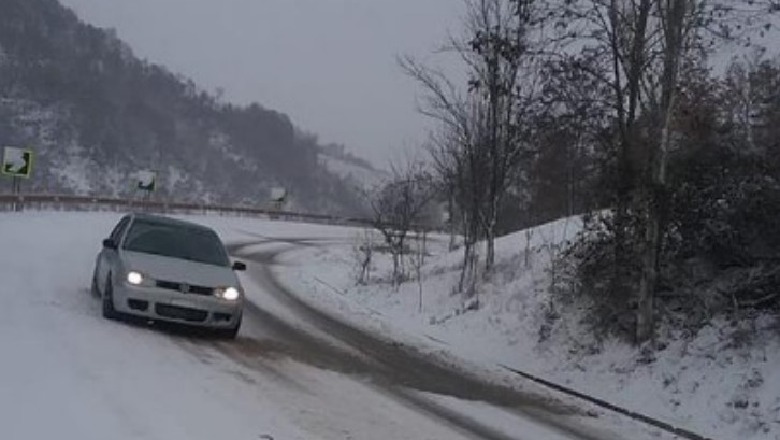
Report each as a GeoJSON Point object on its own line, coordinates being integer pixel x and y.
{"type": "Point", "coordinates": [395, 370]}
{"type": "Point", "coordinates": [293, 373]}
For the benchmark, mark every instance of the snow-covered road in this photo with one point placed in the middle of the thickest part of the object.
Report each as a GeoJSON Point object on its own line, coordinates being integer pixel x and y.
{"type": "Point", "coordinates": [67, 373]}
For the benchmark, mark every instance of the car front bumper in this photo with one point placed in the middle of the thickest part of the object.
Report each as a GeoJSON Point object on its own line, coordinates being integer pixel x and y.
{"type": "Point", "coordinates": [168, 305]}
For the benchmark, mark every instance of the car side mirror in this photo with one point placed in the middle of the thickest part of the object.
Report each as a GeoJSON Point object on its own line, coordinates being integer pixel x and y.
{"type": "Point", "coordinates": [239, 266]}
{"type": "Point", "coordinates": [109, 244]}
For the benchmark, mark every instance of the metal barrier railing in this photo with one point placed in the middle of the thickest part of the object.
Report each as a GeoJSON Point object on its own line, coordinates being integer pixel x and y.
{"type": "Point", "coordinates": [46, 202]}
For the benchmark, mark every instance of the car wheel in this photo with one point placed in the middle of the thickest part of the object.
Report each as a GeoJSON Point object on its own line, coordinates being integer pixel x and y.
{"type": "Point", "coordinates": [109, 312]}
{"type": "Point", "coordinates": [229, 333]}
{"type": "Point", "coordinates": [93, 288]}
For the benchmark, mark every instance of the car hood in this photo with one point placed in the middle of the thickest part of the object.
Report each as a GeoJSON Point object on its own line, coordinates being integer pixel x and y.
{"type": "Point", "coordinates": [178, 270]}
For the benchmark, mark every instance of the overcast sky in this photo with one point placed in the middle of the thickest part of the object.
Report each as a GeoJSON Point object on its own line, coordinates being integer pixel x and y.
{"type": "Point", "coordinates": [329, 64]}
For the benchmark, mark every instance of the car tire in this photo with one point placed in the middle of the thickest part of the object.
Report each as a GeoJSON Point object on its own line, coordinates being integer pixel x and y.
{"type": "Point", "coordinates": [229, 333]}
{"type": "Point", "coordinates": [109, 312]}
{"type": "Point", "coordinates": [93, 288]}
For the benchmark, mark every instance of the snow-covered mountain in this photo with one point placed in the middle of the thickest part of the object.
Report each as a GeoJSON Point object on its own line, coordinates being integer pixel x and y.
{"type": "Point", "coordinates": [362, 176]}
{"type": "Point", "coordinates": [96, 115]}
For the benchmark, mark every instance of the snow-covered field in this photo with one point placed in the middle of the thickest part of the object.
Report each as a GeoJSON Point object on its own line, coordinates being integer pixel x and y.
{"type": "Point", "coordinates": [706, 383]}
{"type": "Point", "coordinates": [68, 373]}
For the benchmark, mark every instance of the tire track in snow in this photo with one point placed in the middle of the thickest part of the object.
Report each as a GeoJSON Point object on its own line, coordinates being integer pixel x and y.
{"type": "Point", "coordinates": [396, 369]}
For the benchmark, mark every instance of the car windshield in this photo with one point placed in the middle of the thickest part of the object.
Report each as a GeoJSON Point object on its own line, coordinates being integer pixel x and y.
{"type": "Point", "coordinates": [176, 241]}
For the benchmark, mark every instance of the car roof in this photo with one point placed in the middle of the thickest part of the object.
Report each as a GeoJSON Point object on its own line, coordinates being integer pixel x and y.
{"type": "Point", "coordinates": [165, 220]}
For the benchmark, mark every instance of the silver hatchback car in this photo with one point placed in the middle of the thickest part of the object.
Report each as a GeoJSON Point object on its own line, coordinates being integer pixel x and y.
{"type": "Point", "coordinates": [165, 269]}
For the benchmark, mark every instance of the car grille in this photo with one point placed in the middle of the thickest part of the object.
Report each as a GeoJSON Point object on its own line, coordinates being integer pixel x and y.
{"type": "Point", "coordinates": [187, 314]}
{"type": "Point", "coordinates": [186, 288]}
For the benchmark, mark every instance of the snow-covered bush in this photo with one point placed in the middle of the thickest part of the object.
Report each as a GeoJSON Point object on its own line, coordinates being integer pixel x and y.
{"type": "Point", "coordinates": [725, 245]}
{"type": "Point", "coordinates": [720, 254]}
{"type": "Point", "coordinates": [590, 277]}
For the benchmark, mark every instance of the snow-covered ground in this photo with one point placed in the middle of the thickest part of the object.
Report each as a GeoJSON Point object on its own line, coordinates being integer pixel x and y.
{"type": "Point", "coordinates": [707, 383]}
{"type": "Point", "coordinates": [68, 373]}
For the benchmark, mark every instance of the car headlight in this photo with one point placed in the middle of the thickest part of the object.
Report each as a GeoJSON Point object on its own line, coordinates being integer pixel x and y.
{"type": "Point", "coordinates": [135, 278]}
{"type": "Point", "coordinates": [228, 293]}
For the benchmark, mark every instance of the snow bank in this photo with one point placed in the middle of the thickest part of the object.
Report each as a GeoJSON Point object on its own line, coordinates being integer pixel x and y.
{"type": "Point", "coordinates": [705, 383]}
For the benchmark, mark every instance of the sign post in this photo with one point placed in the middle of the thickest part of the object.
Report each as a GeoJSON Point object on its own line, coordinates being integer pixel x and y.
{"type": "Point", "coordinates": [146, 182]}
{"type": "Point", "coordinates": [17, 163]}
{"type": "Point", "coordinates": [278, 198]}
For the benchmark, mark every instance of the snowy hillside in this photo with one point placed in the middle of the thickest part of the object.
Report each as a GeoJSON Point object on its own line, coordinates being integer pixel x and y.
{"type": "Point", "coordinates": [95, 115]}
{"type": "Point", "coordinates": [356, 174]}
{"type": "Point", "coordinates": [703, 382]}
{"type": "Point", "coordinates": [64, 164]}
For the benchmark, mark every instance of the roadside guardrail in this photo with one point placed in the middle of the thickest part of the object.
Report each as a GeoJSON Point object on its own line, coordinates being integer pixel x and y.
{"type": "Point", "coordinates": [48, 202]}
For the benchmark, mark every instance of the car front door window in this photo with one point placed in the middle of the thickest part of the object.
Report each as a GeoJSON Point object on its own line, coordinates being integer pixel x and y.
{"type": "Point", "coordinates": [116, 235]}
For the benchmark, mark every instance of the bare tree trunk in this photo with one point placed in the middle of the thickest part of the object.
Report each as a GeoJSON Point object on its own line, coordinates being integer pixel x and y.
{"type": "Point", "coordinates": [626, 115]}
{"type": "Point", "coordinates": [490, 238]}
{"type": "Point", "coordinates": [647, 282]}
{"type": "Point", "coordinates": [468, 277]}
{"type": "Point", "coordinates": [451, 215]}
{"type": "Point", "coordinates": [471, 273]}
{"type": "Point", "coordinates": [467, 270]}
{"type": "Point", "coordinates": [464, 267]}
{"type": "Point", "coordinates": [421, 243]}
{"type": "Point", "coordinates": [628, 97]}
{"type": "Point", "coordinates": [674, 19]}
{"type": "Point", "coordinates": [529, 233]}
{"type": "Point", "coordinates": [396, 268]}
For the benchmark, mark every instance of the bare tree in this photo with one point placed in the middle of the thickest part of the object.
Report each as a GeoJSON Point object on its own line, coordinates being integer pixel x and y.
{"type": "Point", "coordinates": [461, 164]}
{"type": "Point", "coordinates": [398, 206]}
{"type": "Point", "coordinates": [482, 139]}
{"type": "Point", "coordinates": [458, 161]}
{"type": "Point", "coordinates": [498, 50]}
{"type": "Point", "coordinates": [363, 252]}
{"type": "Point", "coordinates": [418, 261]}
